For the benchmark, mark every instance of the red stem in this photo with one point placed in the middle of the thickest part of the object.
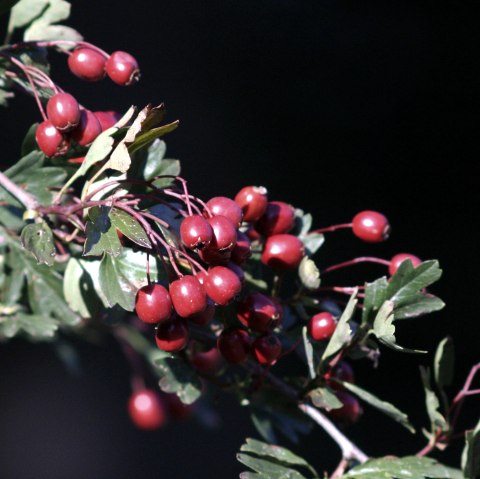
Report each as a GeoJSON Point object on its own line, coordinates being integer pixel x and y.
{"type": "Point", "coordinates": [329, 229]}
{"type": "Point", "coordinates": [361, 259]}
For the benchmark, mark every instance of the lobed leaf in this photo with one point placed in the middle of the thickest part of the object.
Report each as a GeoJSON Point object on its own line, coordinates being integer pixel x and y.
{"type": "Point", "coordinates": [38, 239]}
{"type": "Point", "coordinates": [268, 469]}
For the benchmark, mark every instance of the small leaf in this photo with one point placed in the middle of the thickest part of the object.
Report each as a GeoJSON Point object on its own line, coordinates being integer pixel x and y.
{"type": "Point", "coordinates": [432, 403]}
{"type": "Point", "coordinates": [41, 31]}
{"type": "Point", "coordinates": [146, 138]}
{"type": "Point", "coordinates": [167, 168]}
{"type": "Point", "coordinates": [324, 398]}
{"type": "Point", "coordinates": [6, 5]}
{"type": "Point", "coordinates": [375, 296]}
{"type": "Point", "coordinates": [420, 304]}
{"type": "Point", "coordinates": [35, 326]}
{"type": "Point", "coordinates": [444, 363]}
{"type": "Point", "coordinates": [308, 353]}
{"type": "Point", "coordinates": [309, 274]}
{"type": "Point", "coordinates": [471, 453]}
{"type": "Point", "coordinates": [25, 11]}
{"type": "Point", "coordinates": [312, 242]}
{"type": "Point", "coordinates": [101, 235]}
{"type": "Point", "coordinates": [38, 239]}
{"type": "Point", "coordinates": [270, 469]}
{"type": "Point", "coordinates": [130, 227]}
{"type": "Point", "coordinates": [385, 407]}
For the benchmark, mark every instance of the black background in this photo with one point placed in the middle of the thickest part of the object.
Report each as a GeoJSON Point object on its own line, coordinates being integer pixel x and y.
{"type": "Point", "coordinates": [335, 107]}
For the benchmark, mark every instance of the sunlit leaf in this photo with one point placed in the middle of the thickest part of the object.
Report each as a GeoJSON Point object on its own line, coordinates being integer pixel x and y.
{"type": "Point", "coordinates": [37, 238]}
{"type": "Point", "coordinates": [130, 227]}
{"type": "Point", "coordinates": [309, 274]}
{"type": "Point", "coordinates": [101, 235]}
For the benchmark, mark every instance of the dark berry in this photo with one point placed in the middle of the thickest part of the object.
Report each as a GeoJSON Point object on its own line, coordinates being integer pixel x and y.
{"type": "Point", "coordinates": [48, 138]}
{"type": "Point", "coordinates": [146, 409]}
{"type": "Point", "coordinates": [224, 233]}
{"type": "Point", "coordinates": [258, 312]}
{"type": "Point", "coordinates": [221, 205]}
{"type": "Point", "coordinates": [371, 226]}
{"type": "Point", "coordinates": [122, 68]}
{"type": "Point", "coordinates": [253, 202]}
{"type": "Point", "coordinates": [350, 412]}
{"type": "Point", "coordinates": [267, 348]}
{"type": "Point", "coordinates": [237, 270]}
{"type": "Point", "coordinates": [153, 304]}
{"type": "Point", "coordinates": [172, 335]}
{"type": "Point", "coordinates": [195, 232]}
{"type": "Point", "coordinates": [222, 284]}
{"type": "Point", "coordinates": [107, 118]}
{"type": "Point", "coordinates": [207, 361]}
{"type": "Point", "coordinates": [398, 259]}
{"type": "Point", "coordinates": [282, 252]}
{"type": "Point", "coordinates": [234, 345]}
{"type": "Point", "coordinates": [215, 257]}
{"type": "Point", "coordinates": [279, 217]}
{"type": "Point", "coordinates": [87, 64]}
{"type": "Point", "coordinates": [242, 249]}
{"type": "Point", "coordinates": [205, 316]}
{"type": "Point", "coordinates": [342, 371]}
{"type": "Point", "coordinates": [177, 409]}
{"type": "Point", "coordinates": [87, 130]}
{"type": "Point", "coordinates": [63, 111]}
{"type": "Point", "coordinates": [188, 296]}
{"type": "Point", "coordinates": [321, 326]}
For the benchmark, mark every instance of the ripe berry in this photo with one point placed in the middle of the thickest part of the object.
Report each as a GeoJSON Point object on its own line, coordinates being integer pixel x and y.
{"type": "Point", "coordinates": [237, 270]}
{"type": "Point", "coordinates": [215, 257]}
{"type": "Point", "coordinates": [88, 128]}
{"type": "Point", "coordinates": [153, 303]}
{"type": "Point", "coordinates": [321, 326]}
{"type": "Point", "coordinates": [267, 348]}
{"type": "Point", "coordinates": [371, 226]}
{"type": "Point", "coordinates": [398, 259]}
{"type": "Point", "coordinates": [107, 118]}
{"type": "Point", "coordinates": [242, 249]}
{"type": "Point", "coordinates": [188, 296]}
{"type": "Point", "coordinates": [205, 316]}
{"type": "Point", "coordinates": [279, 217]}
{"type": "Point", "coordinates": [258, 312]}
{"type": "Point", "coordinates": [253, 202]}
{"type": "Point", "coordinates": [63, 111]}
{"type": "Point", "coordinates": [48, 138]}
{"type": "Point", "coordinates": [351, 410]}
{"type": "Point", "coordinates": [222, 284]}
{"type": "Point", "coordinates": [172, 335]}
{"type": "Point", "coordinates": [146, 409]}
{"type": "Point", "coordinates": [195, 232]}
{"type": "Point", "coordinates": [234, 344]}
{"type": "Point", "coordinates": [224, 233]}
{"type": "Point", "coordinates": [282, 252]}
{"type": "Point", "coordinates": [87, 64]}
{"type": "Point", "coordinates": [206, 361]}
{"type": "Point", "coordinates": [221, 205]}
{"type": "Point", "coordinates": [122, 68]}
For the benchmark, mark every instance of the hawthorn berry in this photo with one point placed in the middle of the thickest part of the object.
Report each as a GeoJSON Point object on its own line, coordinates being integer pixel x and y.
{"type": "Point", "coordinates": [107, 118]}
{"type": "Point", "coordinates": [48, 138]}
{"type": "Point", "coordinates": [172, 335]}
{"type": "Point", "coordinates": [242, 249]}
{"type": "Point", "coordinates": [321, 326]}
{"type": "Point", "coordinates": [153, 303]}
{"type": "Point", "coordinates": [122, 68]}
{"type": "Point", "coordinates": [63, 111]}
{"type": "Point", "coordinates": [278, 218]}
{"type": "Point", "coordinates": [342, 371]}
{"type": "Point", "coordinates": [282, 252]}
{"type": "Point", "coordinates": [253, 202]}
{"type": "Point", "coordinates": [351, 410]}
{"type": "Point", "coordinates": [206, 361]}
{"type": "Point", "coordinates": [222, 284]}
{"type": "Point", "coordinates": [224, 233]}
{"type": "Point", "coordinates": [234, 345]}
{"type": "Point", "coordinates": [398, 259]}
{"type": "Point", "coordinates": [371, 226]}
{"type": "Point", "coordinates": [87, 64]}
{"type": "Point", "coordinates": [237, 270]}
{"type": "Point", "coordinates": [258, 312]}
{"type": "Point", "coordinates": [267, 348]}
{"type": "Point", "coordinates": [87, 129]}
{"type": "Point", "coordinates": [221, 205]}
{"type": "Point", "coordinates": [206, 316]}
{"type": "Point", "coordinates": [188, 296]}
{"type": "Point", "coordinates": [146, 409]}
{"type": "Point", "coordinates": [195, 232]}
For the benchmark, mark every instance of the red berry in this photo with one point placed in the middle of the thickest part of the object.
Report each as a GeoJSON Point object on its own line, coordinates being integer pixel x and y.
{"type": "Point", "coordinates": [282, 252]}
{"type": "Point", "coordinates": [224, 233]}
{"type": "Point", "coordinates": [234, 344]}
{"type": "Point", "coordinates": [258, 312]}
{"type": "Point", "coordinates": [48, 138]}
{"type": "Point", "coordinates": [188, 296]}
{"type": "Point", "coordinates": [398, 259]}
{"type": "Point", "coordinates": [371, 226]}
{"type": "Point", "coordinates": [221, 205]}
{"type": "Point", "coordinates": [267, 348]}
{"type": "Point", "coordinates": [107, 118]}
{"type": "Point", "coordinates": [63, 111]}
{"type": "Point", "coordinates": [279, 217]}
{"type": "Point", "coordinates": [215, 257]}
{"type": "Point", "coordinates": [177, 409]}
{"type": "Point", "coordinates": [172, 335]}
{"type": "Point", "coordinates": [242, 249]}
{"type": "Point", "coordinates": [205, 316]}
{"type": "Point", "coordinates": [88, 128]}
{"type": "Point", "coordinates": [153, 304]}
{"type": "Point", "coordinates": [342, 371]}
{"type": "Point", "coordinates": [207, 361]}
{"type": "Point", "coordinates": [222, 284]}
{"type": "Point", "coordinates": [146, 409]}
{"type": "Point", "coordinates": [321, 326]}
{"type": "Point", "coordinates": [253, 202]}
{"type": "Point", "coordinates": [122, 68]}
{"type": "Point", "coordinates": [351, 410]}
{"type": "Point", "coordinates": [87, 64]}
{"type": "Point", "coordinates": [195, 232]}
{"type": "Point", "coordinates": [237, 270]}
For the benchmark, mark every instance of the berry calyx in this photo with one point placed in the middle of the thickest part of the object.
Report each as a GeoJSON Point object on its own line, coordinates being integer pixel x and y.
{"type": "Point", "coordinates": [279, 217]}
{"type": "Point", "coordinates": [222, 284]}
{"type": "Point", "coordinates": [153, 304]}
{"type": "Point", "coordinates": [371, 226]}
{"type": "Point", "coordinates": [283, 252]}
{"type": "Point", "coordinates": [398, 259]}
{"type": "Point", "coordinates": [188, 296]}
{"type": "Point", "coordinates": [122, 68]}
{"type": "Point", "coordinates": [253, 202]}
{"type": "Point", "coordinates": [48, 138]}
{"type": "Point", "coordinates": [258, 312]}
{"type": "Point", "coordinates": [87, 64]}
{"type": "Point", "coordinates": [195, 232]}
{"type": "Point", "coordinates": [88, 128]}
{"type": "Point", "coordinates": [172, 335]}
{"type": "Point", "coordinates": [267, 348]}
{"type": "Point", "coordinates": [234, 345]}
{"type": "Point", "coordinates": [63, 111]}
{"type": "Point", "coordinates": [221, 205]}
{"type": "Point", "coordinates": [146, 409]}
{"type": "Point", "coordinates": [321, 326]}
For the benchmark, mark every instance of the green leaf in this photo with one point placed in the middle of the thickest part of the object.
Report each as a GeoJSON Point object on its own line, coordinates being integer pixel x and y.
{"type": "Point", "coordinates": [42, 31]}
{"type": "Point", "coordinates": [177, 376]}
{"type": "Point", "coordinates": [269, 469]}
{"type": "Point", "coordinates": [101, 235]}
{"type": "Point", "coordinates": [130, 227]}
{"type": "Point", "coordinates": [312, 242]}
{"type": "Point", "coordinates": [309, 354]}
{"type": "Point", "coordinates": [121, 277]}
{"type": "Point", "coordinates": [57, 11]}
{"type": "Point", "coordinates": [149, 136]}
{"type": "Point", "coordinates": [420, 304]}
{"type": "Point", "coordinates": [432, 403]}
{"type": "Point", "coordinates": [375, 296]}
{"type": "Point", "coordinates": [342, 334]}
{"type": "Point", "coordinates": [410, 467]}
{"type": "Point", "coordinates": [471, 453]}
{"type": "Point", "coordinates": [6, 5]}
{"type": "Point", "coordinates": [309, 274]}
{"type": "Point", "coordinates": [38, 239]}
{"type": "Point", "coordinates": [167, 168]}
{"type": "Point", "coordinates": [29, 143]}
{"type": "Point", "coordinates": [35, 326]}
{"type": "Point", "coordinates": [25, 11]}
{"type": "Point", "coordinates": [385, 407]}
{"type": "Point", "coordinates": [324, 398]}
{"type": "Point", "coordinates": [444, 363]}
{"type": "Point", "coordinates": [155, 155]}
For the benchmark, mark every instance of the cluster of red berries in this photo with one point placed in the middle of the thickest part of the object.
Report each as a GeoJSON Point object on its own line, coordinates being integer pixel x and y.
{"type": "Point", "coordinates": [66, 120]}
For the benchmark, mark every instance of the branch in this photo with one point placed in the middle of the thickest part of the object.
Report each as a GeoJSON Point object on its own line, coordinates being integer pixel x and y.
{"type": "Point", "coordinates": [20, 194]}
